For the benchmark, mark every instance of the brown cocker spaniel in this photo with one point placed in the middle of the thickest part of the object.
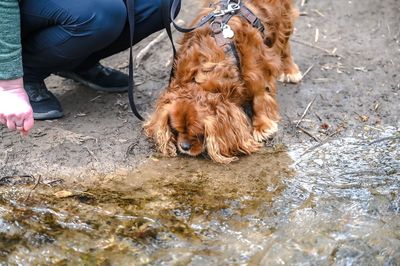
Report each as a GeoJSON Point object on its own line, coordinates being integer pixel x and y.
{"type": "Point", "coordinates": [202, 110]}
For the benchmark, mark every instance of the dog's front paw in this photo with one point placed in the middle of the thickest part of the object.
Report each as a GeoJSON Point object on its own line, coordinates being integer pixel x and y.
{"type": "Point", "coordinates": [290, 77]}
{"type": "Point", "coordinates": [290, 74]}
{"type": "Point", "coordinates": [265, 131]}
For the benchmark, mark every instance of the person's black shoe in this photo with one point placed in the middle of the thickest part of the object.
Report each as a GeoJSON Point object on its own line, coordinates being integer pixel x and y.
{"type": "Point", "coordinates": [99, 78]}
{"type": "Point", "coordinates": [44, 104]}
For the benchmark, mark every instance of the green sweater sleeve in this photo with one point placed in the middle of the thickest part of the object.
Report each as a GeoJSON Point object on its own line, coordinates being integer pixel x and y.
{"type": "Point", "coordinates": [10, 40]}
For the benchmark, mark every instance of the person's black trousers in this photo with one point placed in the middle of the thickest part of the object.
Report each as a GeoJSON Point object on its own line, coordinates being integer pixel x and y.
{"type": "Point", "coordinates": [59, 35]}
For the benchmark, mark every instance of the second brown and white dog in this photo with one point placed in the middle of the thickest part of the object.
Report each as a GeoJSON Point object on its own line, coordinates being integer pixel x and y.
{"type": "Point", "coordinates": [202, 108]}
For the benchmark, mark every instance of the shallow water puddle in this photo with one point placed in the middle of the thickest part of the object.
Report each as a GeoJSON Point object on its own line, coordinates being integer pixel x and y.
{"type": "Point", "coordinates": [338, 203]}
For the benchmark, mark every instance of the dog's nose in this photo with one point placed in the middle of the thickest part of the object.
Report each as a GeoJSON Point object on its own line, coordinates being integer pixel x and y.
{"type": "Point", "coordinates": [185, 146]}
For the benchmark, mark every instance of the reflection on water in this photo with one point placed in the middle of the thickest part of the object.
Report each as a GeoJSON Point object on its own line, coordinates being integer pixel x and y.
{"type": "Point", "coordinates": [337, 203]}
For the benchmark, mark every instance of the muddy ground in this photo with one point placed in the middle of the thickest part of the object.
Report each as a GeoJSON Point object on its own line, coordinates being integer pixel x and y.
{"type": "Point", "coordinates": [353, 83]}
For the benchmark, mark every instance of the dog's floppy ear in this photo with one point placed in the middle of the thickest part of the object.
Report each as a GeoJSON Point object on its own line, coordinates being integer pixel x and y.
{"type": "Point", "coordinates": [157, 126]}
{"type": "Point", "coordinates": [227, 131]}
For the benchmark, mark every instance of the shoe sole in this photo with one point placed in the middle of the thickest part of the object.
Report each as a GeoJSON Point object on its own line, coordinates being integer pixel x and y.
{"type": "Point", "coordinates": [48, 116]}
{"type": "Point", "coordinates": [92, 85]}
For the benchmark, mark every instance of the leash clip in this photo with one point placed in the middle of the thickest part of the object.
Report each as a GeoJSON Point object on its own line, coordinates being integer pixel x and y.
{"type": "Point", "coordinates": [231, 9]}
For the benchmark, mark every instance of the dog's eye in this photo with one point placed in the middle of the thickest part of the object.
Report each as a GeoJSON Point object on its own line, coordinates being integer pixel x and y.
{"type": "Point", "coordinates": [200, 138]}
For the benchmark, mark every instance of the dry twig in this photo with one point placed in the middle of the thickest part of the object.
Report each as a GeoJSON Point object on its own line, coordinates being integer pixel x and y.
{"type": "Point", "coordinates": [307, 71]}
{"type": "Point", "coordinates": [318, 12]}
{"type": "Point", "coordinates": [5, 158]}
{"type": "Point", "coordinates": [311, 149]}
{"type": "Point", "coordinates": [95, 98]}
{"type": "Point", "coordinates": [91, 153]}
{"type": "Point", "coordinates": [309, 134]}
{"type": "Point", "coordinates": [301, 119]}
{"type": "Point", "coordinates": [147, 48]}
{"type": "Point", "coordinates": [34, 187]}
{"type": "Point", "coordinates": [306, 111]}
{"type": "Point", "coordinates": [53, 182]}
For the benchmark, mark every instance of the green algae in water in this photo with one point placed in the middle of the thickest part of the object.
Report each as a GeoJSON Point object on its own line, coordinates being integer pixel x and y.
{"type": "Point", "coordinates": [133, 218]}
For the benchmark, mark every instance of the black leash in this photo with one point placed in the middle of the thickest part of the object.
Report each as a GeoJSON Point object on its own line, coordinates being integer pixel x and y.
{"type": "Point", "coordinates": [166, 17]}
{"type": "Point", "coordinates": [131, 84]}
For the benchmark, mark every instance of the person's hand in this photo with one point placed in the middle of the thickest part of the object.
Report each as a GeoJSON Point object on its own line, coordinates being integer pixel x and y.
{"type": "Point", "coordinates": [15, 110]}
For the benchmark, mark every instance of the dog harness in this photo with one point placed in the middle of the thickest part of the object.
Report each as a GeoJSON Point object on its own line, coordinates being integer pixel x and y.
{"type": "Point", "coordinates": [219, 19]}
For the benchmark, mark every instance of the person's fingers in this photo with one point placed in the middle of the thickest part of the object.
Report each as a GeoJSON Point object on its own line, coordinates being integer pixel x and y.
{"type": "Point", "coordinates": [11, 124]}
{"type": "Point", "coordinates": [19, 123]}
{"type": "Point", "coordinates": [28, 123]}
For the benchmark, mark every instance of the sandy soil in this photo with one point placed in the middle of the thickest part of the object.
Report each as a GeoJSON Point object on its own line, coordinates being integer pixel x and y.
{"type": "Point", "coordinates": [353, 84]}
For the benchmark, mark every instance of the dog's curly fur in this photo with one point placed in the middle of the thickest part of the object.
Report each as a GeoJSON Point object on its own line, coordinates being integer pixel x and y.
{"type": "Point", "coordinates": [202, 108]}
